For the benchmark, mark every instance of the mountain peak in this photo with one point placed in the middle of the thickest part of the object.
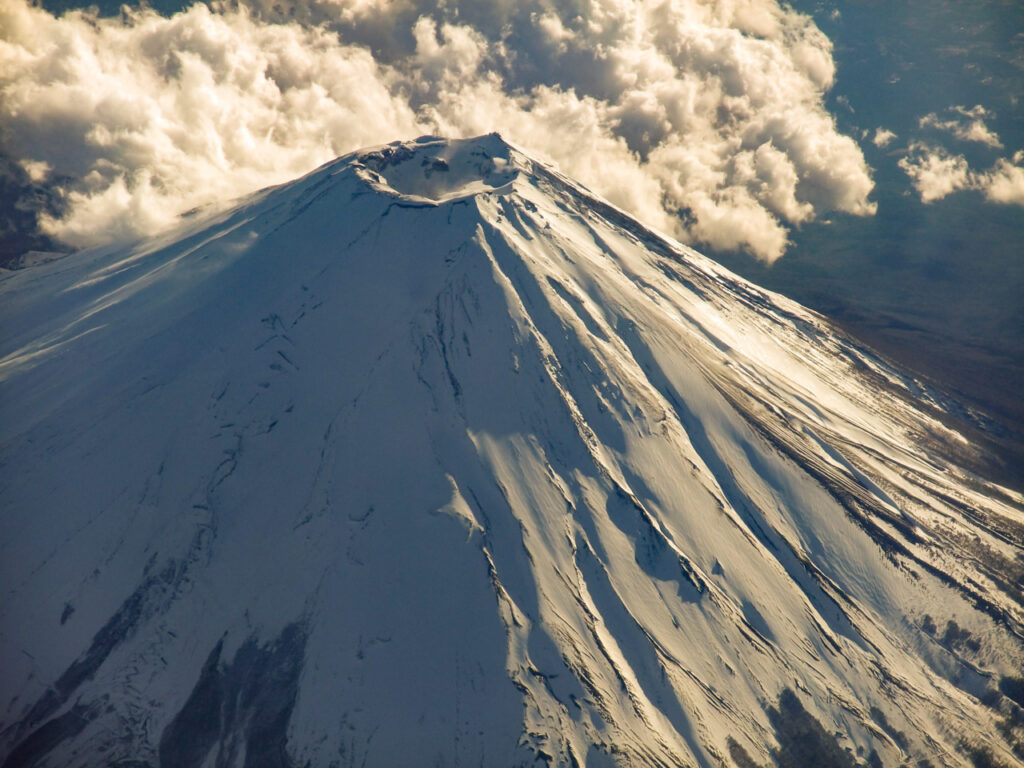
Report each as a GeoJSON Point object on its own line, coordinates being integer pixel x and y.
{"type": "Point", "coordinates": [440, 170]}
{"type": "Point", "coordinates": [431, 455]}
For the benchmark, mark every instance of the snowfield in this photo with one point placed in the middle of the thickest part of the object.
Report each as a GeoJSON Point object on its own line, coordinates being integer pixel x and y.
{"type": "Point", "coordinates": [434, 458]}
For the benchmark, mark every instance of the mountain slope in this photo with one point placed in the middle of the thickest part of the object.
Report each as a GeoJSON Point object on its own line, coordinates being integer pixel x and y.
{"type": "Point", "coordinates": [433, 458]}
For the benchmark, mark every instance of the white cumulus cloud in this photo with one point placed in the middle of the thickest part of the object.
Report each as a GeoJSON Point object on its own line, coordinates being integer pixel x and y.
{"type": "Point", "coordinates": [935, 173]}
{"type": "Point", "coordinates": [704, 118]}
{"type": "Point", "coordinates": [883, 137]}
{"type": "Point", "coordinates": [968, 126]}
{"type": "Point", "coordinates": [1004, 183]}
{"type": "Point", "coordinates": [144, 117]}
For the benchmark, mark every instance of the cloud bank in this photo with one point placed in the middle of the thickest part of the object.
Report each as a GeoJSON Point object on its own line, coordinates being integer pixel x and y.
{"type": "Point", "coordinates": [705, 119]}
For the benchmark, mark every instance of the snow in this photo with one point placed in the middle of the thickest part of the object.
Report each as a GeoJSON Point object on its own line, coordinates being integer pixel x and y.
{"type": "Point", "coordinates": [530, 478]}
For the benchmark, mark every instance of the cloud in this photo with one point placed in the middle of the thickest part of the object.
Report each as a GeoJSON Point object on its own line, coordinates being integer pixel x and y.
{"type": "Point", "coordinates": [143, 117]}
{"type": "Point", "coordinates": [1004, 183]}
{"type": "Point", "coordinates": [883, 137]}
{"type": "Point", "coordinates": [972, 129]}
{"type": "Point", "coordinates": [705, 119]}
{"type": "Point", "coordinates": [935, 174]}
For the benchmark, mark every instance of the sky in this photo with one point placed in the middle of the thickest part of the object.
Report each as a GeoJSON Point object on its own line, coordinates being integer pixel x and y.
{"type": "Point", "coordinates": [866, 158]}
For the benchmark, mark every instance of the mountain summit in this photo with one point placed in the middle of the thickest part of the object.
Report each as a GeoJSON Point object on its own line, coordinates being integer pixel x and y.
{"type": "Point", "coordinates": [434, 458]}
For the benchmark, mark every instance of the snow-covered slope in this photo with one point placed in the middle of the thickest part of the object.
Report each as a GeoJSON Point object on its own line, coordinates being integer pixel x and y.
{"type": "Point", "coordinates": [433, 458]}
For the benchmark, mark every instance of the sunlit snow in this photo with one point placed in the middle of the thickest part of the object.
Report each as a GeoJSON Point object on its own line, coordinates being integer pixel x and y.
{"type": "Point", "coordinates": [432, 457]}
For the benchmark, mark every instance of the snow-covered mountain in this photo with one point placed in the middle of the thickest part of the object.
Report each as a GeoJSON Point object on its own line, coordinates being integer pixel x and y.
{"type": "Point", "coordinates": [433, 458]}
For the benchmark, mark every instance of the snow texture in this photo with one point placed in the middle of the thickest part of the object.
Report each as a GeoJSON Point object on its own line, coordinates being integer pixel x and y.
{"type": "Point", "coordinates": [432, 457]}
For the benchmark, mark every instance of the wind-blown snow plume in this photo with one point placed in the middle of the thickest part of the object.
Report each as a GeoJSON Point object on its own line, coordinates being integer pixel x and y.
{"type": "Point", "coordinates": [704, 119]}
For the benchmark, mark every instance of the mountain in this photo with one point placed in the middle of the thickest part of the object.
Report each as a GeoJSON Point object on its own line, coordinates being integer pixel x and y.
{"type": "Point", "coordinates": [434, 458]}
